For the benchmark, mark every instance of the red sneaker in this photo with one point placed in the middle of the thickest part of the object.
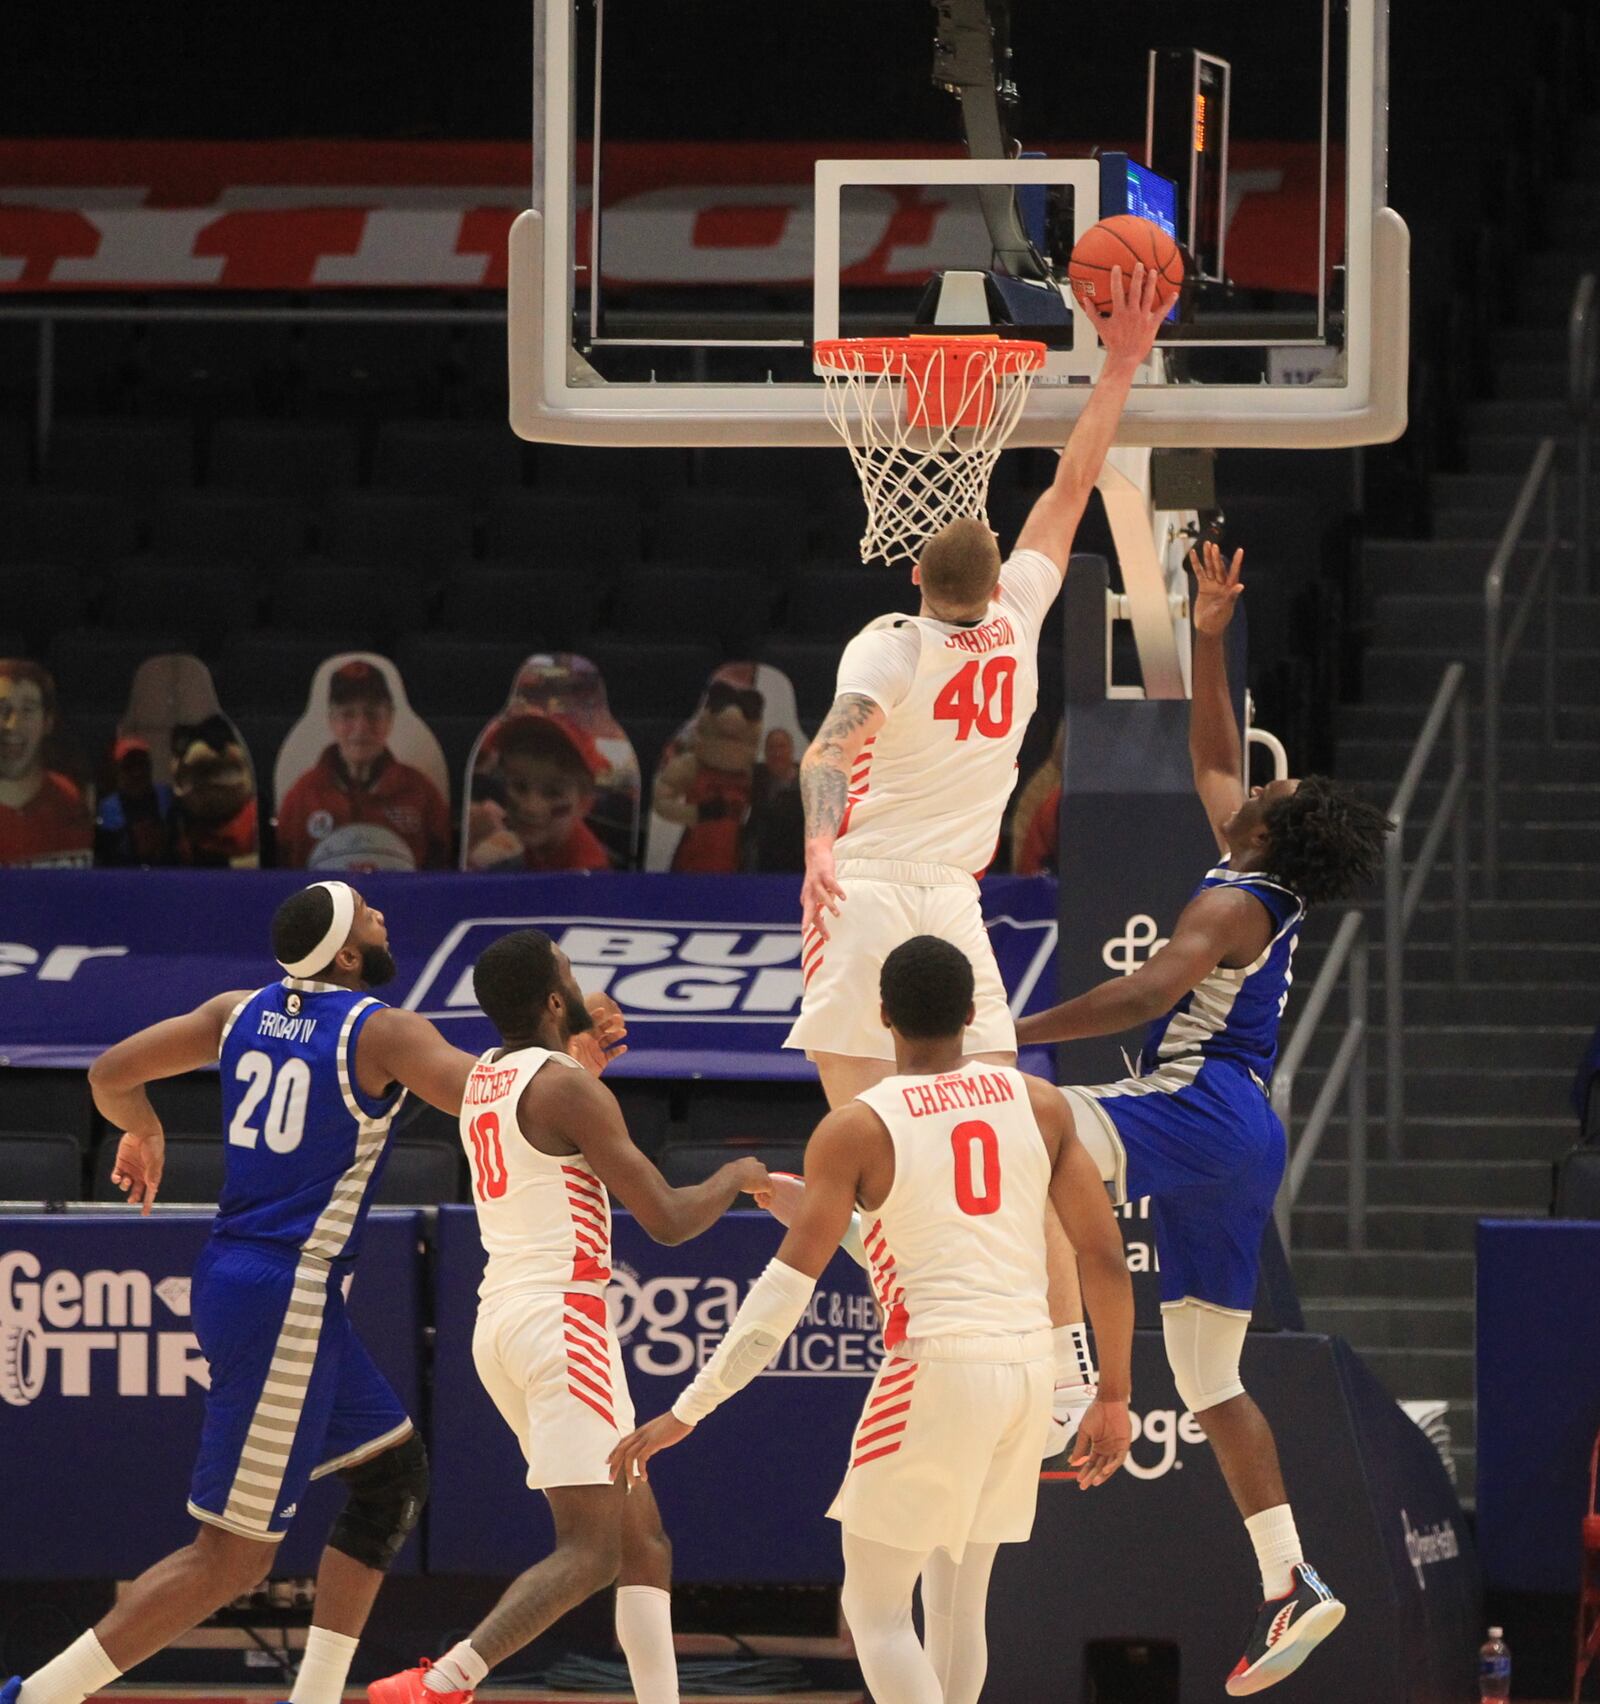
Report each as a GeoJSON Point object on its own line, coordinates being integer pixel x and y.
{"type": "Point", "coordinates": [407, 1688]}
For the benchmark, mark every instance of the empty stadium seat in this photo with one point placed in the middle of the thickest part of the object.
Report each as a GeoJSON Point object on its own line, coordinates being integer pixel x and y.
{"type": "Point", "coordinates": [56, 1101]}
{"type": "Point", "coordinates": [457, 735]}
{"type": "Point", "coordinates": [714, 529]}
{"type": "Point", "coordinates": [317, 596]}
{"type": "Point", "coordinates": [420, 1174]}
{"type": "Point", "coordinates": [557, 610]}
{"type": "Point", "coordinates": [66, 526]}
{"type": "Point", "coordinates": [683, 601]}
{"type": "Point", "coordinates": [812, 665]}
{"type": "Point", "coordinates": [192, 1175]}
{"type": "Point", "coordinates": [557, 529]}
{"type": "Point", "coordinates": [841, 601]}
{"type": "Point", "coordinates": [134, 457]}
{"type": "Point", "coordinates": [40, 1166]}
{"type": "Point", "coordinates": [434, 455]}
{"type": "Point", "coordinates": [40, 599]}
{"type": "Point", "coordinates": [16, 452]}
{"type": "Point", "coordinates": [272, 671]}
{"type": "Point", "coordinates": [448, 676]}
{"type": "Point", "coordinates": [774, 472]}
{"type": "Point", "coordinates": [389, 529]}
{"type": "Point", "coordinates": [685, 1163]}
{"type": "Point", "coordinates": [644, 678]}
{"type": "Point", "coordinates": [399, 368]}
{"type": "Point", "coordinates": [229, 526]}
{"type": "Point", "coordinates": [646, 1110]}
{"type": "Point", "coordinates": [298, 459]}
{"type": "Point", "coordinates": [94, 667]}
{"type": "Point", "coordinates": [743, 1114]}
{"type": "Point", "coordinates": [191, 1103]}
{"type": "Point", "coordinates": [199, 602]}
{"type": "Point", "coordinates": [611, 472]}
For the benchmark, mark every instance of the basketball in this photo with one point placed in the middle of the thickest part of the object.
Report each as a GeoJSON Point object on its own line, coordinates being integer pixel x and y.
{"type": "Point", "coordinates": [1124, 240]}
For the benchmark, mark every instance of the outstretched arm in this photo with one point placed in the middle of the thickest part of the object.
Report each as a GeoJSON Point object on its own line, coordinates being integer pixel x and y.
{"type": "Point", "coordinates": [1128, 332]}
{"type": "Point", "coordinates": [1214, 925]}
{"type": "Point", "coordinates": [398, 1046]}
{"type": "Point", "coordinates": [1214, 748]}
{"type": "Point", "coordinates": [825, 791]}
{"type": "Point", "coordinates": [577, 1108]}
{"type": "Point", "coordinates": [117, 1081]}
{"type": "Point", "coordinates": [777, 1302]}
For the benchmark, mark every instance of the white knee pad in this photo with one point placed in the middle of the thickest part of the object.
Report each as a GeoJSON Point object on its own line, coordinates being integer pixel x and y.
{"type": "Point", "coordinates": [1203, 1348]}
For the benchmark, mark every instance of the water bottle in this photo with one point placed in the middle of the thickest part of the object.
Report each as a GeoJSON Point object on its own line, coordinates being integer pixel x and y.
{"type": "Point", "coordinates": [1494, 1668]}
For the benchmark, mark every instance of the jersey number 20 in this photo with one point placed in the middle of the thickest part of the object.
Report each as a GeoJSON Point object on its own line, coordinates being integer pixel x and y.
{"type": "Point", "coordinates": [979, 696]}
{"type": "Point", "coordinates": [284, 1122]}
{"type": "Point", "coordinates": [977, 1155]}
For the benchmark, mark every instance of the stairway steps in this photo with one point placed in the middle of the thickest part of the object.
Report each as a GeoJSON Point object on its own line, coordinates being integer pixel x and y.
{"type": "Point", "coordinates": [1481, 1002]}
{"type": "Point", "coordinates": [1478, 1184]}
{"type": "Point", "coordinates": [1453, 1092]}
{"type": "Point", "coordinates": [1373, 1323]}
{"type": "Point", "coordinates": [1427, 1276]}
{"type": "Point", "coordinates": [1568, 760]}
{"type": "Point", "coordinates": [1415, 1229]}
{"type": "Point", "coordinates": [1519, 723]}
{"type": "Point", "coordinates": [1435, 621]}
{"type": "Point", "coordinates": [1557, 922]}
{"type": "Point", "coordinates": [1513, 452]}
{"type": "Point", "coordinates": [1412, 1375]}
{"type": "Point", "coordinates": [1517, 376]}
{"type": "Point", "coordinates": [1472, 1047]}
{"type": "Point", "coordinates": [1394, 672]}
{"type": "Point", "coordinates": [1537, 416]}
{"type": "Point", "coordinates": [1467, 1137]}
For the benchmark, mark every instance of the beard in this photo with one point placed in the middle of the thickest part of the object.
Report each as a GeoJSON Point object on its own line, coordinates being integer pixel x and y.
{"type": "Point", "coordinates": [579, 1018]}
{"type": "Point", "coordinates": [377, 966]}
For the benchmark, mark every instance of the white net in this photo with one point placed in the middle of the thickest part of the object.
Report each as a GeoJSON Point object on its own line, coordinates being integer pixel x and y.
{"type": "Point", "coordinates": [924, 420]}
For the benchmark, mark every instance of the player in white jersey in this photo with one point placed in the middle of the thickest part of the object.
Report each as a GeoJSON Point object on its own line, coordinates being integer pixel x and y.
{"type": "Point", "coordinates": [952, 1162]}
{"type": "Point", "coordinates": [548, 1148]}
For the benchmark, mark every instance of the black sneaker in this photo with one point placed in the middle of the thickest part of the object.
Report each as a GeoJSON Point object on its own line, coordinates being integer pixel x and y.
{"type": "Point", "coordinates": [1287, 1631]}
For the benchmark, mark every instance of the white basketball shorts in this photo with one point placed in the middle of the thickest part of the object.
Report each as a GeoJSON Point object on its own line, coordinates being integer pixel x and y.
{"type": "Point", "coordinates": [886, 903]}
{"type": "Point", "coordinates": [948, 1447]}
{"type": "Point", "coordinates": [553, 1366]}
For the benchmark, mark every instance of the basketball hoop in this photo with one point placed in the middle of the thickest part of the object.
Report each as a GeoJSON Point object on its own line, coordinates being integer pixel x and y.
{"type": "Point", "coordinates": [924, 420]}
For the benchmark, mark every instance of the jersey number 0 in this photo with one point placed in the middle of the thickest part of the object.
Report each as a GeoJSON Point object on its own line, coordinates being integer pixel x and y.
{"type": "Point", "coordinates": [977, 1156]}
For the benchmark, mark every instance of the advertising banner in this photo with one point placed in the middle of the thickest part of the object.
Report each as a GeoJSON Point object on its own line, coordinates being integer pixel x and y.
{"type": "Point", "coordinates": [743, 1499]}
{"type": "Point", "coordinates": [1538, 1416]}
{"type": "Point", "coordinates": [706, 969]}
{"type": "Point", "coordinates": [102, 1383]}
{"type": "Point", "coordinates": [1158, 1558]}
{"type": "Point", "coordinates": [82, 215]}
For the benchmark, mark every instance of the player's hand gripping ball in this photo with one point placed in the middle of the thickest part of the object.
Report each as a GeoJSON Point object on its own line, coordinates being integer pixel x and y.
{"type": "Point", "coordinates": [1124, 240]}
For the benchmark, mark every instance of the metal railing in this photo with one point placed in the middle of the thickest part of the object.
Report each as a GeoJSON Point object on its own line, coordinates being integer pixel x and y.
{"type": "Point", "coordinates": [1500, 641]}
{"type": "Point", "coordinates": [1583, 359]}
{"type": "Point", "coordinates": [1402, 894]}
{"type": "Point", "coordinates": [1346, 961]}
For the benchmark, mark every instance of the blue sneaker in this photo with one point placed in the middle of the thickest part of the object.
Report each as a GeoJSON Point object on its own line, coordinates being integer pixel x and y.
{"type": "Point", "coordinates": [1287, 1631]}
{"type": "Point", "coordinates": [10, 1691]}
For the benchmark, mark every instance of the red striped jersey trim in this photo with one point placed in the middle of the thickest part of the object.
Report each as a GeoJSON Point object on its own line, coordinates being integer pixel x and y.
{"type": "Point", "coordinates": [604, 1413]}
{"type": "Point", "coordinates": [577, 1374]}
{"type": "Point", "coordinates": [874, 1455]}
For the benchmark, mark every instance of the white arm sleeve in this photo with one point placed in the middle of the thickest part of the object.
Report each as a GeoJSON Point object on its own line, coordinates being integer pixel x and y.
{"type": "Point", "coordinates": [880, 663]}
{"type": "Point", "coordinates": [775, 1306]}
{"type": "Point", "coordinates": [1028, 585]}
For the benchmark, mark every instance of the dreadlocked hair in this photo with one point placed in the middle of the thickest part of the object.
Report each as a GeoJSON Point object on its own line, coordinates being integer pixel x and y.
{"type": "Point", "coordinates": [1323, 841]}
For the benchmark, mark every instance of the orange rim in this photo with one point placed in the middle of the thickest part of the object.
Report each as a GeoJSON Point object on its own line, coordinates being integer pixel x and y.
{"type": "Point", "coordinates": [913, 354]}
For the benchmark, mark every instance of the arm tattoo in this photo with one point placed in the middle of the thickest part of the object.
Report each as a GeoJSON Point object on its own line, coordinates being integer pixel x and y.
{"type": "Point", "coordinates": [825, 773]}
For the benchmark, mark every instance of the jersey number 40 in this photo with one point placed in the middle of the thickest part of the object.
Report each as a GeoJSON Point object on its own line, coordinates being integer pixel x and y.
{"type": "Point", "coordinates": [979, 697]}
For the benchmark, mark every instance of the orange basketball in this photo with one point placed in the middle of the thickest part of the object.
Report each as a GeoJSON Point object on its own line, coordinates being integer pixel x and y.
{"type": "Point", "coordinates": [1123, 240]}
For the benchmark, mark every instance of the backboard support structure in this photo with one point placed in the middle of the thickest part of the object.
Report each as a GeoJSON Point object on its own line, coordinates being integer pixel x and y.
{"type": "Point", "coordinates": [559, 393]}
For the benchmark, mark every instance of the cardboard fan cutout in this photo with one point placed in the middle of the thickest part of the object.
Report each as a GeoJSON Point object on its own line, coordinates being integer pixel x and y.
{"type": "Point", "coordinates": [46, 801]}
{"type": "Point", "coordinates": [183, 786]}
{"type": "Point", "coordinates": [553, 781]}
{"type": "Point", "coordinates": [726, 796]}
{"type": "Point", "coordinates": [361, 781]}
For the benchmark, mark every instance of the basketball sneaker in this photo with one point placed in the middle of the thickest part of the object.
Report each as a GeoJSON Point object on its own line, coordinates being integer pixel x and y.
{"type": "Point", "coordinates": [1287, 1631]}
{"type": "Point", "coordinates": [10, 1690]}
{"type": "Point", "coordinates": [407, 1688]}
{"type": "Point", "coordinates": [1068, 1406]}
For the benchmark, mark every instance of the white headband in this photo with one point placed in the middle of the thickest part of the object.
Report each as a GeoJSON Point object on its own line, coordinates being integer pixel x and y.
{"type": "Point", "coordinates": [344, 914]}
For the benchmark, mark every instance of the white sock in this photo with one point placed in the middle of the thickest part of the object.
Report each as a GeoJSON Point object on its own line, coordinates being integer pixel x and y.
{"type": "Point", "coordinates": [644, 1631]}
{"type": "Point", "coordinates": [460, 1669]}
{"type": "Point", "coordinates": [324, 1668]}
{"type": "Point", "coordinates": [68, 1679]}
{"type": "Point", "coordinates": [1277, 1544]}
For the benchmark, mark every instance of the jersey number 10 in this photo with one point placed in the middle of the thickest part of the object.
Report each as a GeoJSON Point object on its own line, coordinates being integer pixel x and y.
{"type": "Point", "coordinates": [488, 1159]}
{"type": "Point", "coordinates": [979, 696]}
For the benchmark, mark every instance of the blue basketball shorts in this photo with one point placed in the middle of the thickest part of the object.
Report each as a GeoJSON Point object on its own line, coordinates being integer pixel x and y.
{"type": "Point", "coordinates": [294, 1394]}
{"type": "Point", "coordinates": [1208, 1150]}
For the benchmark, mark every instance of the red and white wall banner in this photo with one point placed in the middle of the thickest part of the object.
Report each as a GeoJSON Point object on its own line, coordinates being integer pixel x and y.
{"type": "Point", "coordinates": [340, 215]}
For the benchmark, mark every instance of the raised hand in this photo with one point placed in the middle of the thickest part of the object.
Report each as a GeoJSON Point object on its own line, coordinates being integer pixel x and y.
{"type": "Point", "coordinates": [1216, 588]}
{"type": "Point", "coordinates": [1128, 329]}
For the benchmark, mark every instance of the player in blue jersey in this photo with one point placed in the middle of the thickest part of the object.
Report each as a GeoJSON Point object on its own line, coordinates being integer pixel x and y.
{"type": "Point", "coordinates": [313, 1069]}
{"type": "Point", "coordinates": [1194, 1130]}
